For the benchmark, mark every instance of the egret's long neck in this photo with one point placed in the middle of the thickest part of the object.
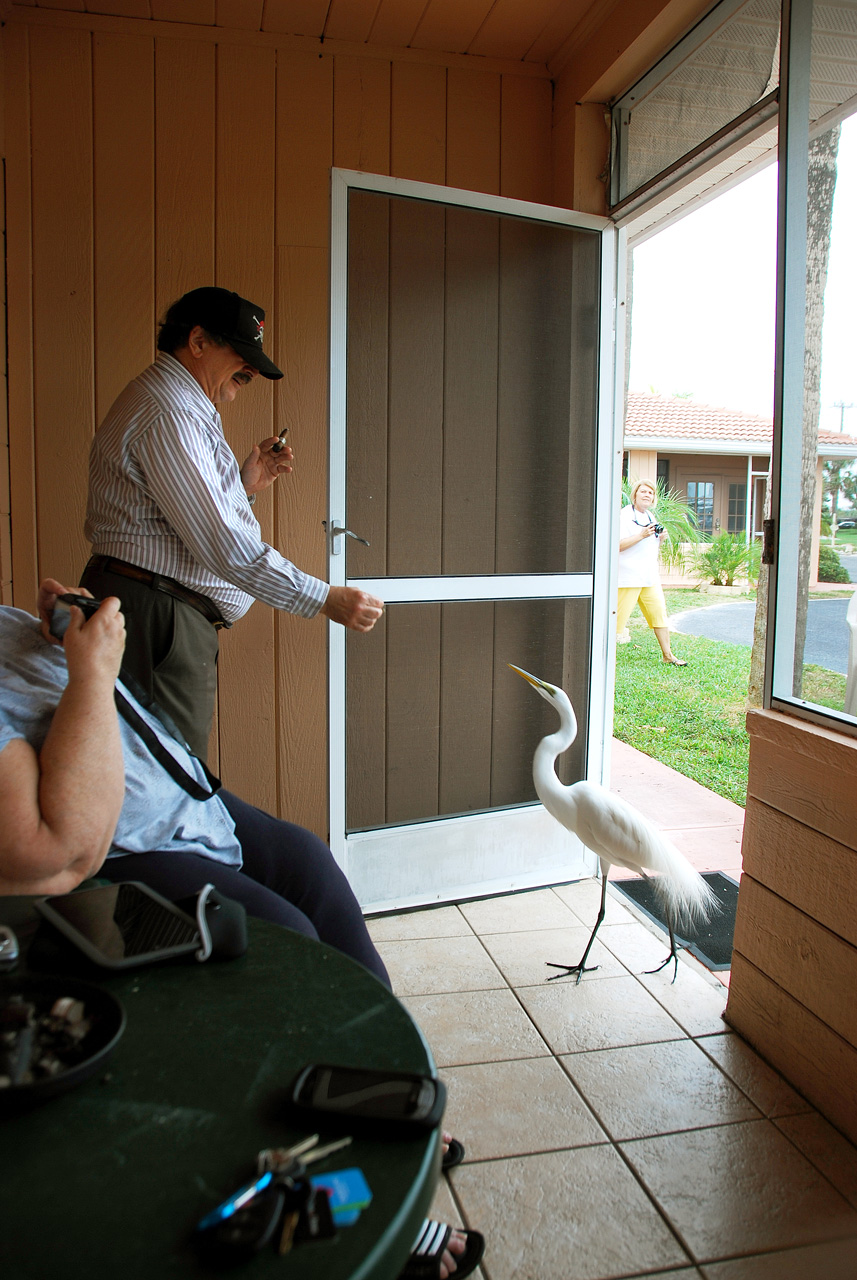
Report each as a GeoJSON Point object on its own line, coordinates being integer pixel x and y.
{"type": "Point", "coordinates": [544, 760]}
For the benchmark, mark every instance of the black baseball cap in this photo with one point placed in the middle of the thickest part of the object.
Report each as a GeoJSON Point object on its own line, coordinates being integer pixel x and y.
{"type": "Point", "coordinates": [229, 316]}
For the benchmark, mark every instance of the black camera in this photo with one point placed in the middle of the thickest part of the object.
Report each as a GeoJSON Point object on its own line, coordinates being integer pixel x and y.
{"type": "Point", "coordinates": [659, 528]}
{"type": "Point", "coordinates": [61, 615]}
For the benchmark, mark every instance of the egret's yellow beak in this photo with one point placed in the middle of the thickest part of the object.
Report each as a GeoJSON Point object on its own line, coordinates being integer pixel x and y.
{"type": "Point", "coordinates": [533, 680]}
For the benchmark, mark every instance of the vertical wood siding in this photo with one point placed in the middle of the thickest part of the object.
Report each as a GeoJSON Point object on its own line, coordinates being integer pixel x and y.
{"type": "Point", "coordinates": [142, 166]}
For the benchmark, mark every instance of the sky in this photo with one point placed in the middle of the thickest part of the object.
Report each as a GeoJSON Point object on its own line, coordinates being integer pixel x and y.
{"type": "Point", "coordinates": [704, 300]}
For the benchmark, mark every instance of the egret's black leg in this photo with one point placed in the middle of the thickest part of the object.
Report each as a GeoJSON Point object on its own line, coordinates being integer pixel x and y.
{"type": "Point", "coordinates": [673, 955]}
{"type": "Point", "coordinates": [580, 969]}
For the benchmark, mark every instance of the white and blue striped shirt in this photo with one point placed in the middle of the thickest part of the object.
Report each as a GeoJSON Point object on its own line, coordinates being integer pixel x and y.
{"type": "Point", "coordinates": [165, 493]}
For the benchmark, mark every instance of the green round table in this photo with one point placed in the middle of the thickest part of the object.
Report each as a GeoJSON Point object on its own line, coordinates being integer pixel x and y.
{"type": "Point", "coordinates": [109, 1179]}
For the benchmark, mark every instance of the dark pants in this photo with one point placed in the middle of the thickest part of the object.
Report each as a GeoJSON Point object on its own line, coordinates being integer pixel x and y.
{"type": "Point", "coordinates": [289, 877]}
{"type": "Point", "coordinates": [170, 653]}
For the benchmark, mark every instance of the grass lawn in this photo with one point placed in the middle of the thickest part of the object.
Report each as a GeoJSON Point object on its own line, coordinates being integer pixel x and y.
{"type": "Point", "coordinates": [692, 718]}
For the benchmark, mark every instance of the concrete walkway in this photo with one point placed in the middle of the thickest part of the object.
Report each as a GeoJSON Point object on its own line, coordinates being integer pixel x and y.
{"type": "Point", "coordinates": [704, 826]}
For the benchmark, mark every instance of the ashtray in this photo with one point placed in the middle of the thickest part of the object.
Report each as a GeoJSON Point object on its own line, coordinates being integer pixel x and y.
{"type": "Point", "coordinates": [54, 1033]}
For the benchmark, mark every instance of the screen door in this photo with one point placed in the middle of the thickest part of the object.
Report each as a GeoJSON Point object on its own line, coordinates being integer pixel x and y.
{"type": "Point", "coordinates": [471, 368]}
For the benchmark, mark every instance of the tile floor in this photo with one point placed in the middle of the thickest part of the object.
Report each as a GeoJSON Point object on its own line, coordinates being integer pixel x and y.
{"type": "Point", "coordinates": [617, 1127]}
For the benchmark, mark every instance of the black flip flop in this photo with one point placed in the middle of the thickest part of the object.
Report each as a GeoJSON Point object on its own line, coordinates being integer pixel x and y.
{"type": "Point", "coordinates": [453, 1155]}
{"type": "Point", "coordinates": [425, 1259]}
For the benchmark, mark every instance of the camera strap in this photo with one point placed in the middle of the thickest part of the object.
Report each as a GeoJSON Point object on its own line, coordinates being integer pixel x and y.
{"type": "Point", "coordinates": [167, 761]}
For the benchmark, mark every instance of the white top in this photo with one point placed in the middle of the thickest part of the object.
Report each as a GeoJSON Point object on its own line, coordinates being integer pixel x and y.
{"type": "Point", "coordinates": [638, 564]}
{"type": "Point", "coordinates": [165, 493]}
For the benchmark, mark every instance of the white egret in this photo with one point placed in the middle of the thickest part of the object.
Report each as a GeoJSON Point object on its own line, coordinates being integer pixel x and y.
{"type": "Point", "coordinates": [615, 831]}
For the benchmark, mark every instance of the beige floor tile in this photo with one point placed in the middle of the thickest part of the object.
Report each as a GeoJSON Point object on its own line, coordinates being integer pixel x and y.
{"type": "Point", "coordinates": [476, 1026]}
{"type": "Point", "coordinates": [564, 1215]}
{"type": "Point", "coordinates": [436, 922]}
{"type": "Point", "coordinates": [737, 1189]}
{"type": "Point", "coordinates": [636, 946]}
{"type": "Point", "coordinates": [597, 1015]}
{"type": "Point", "coordinates": [522, 957]}
{"type": "Point", "coordinates": [696, 1004]}
{"type": "Point", "coordinates": [828, 1150]}
{"type": "Point", "coordinates": [443, 1206]}
{"type": "Point", "coordinates": [764, 1086]}
{"type": "Point", "coordinates": [514, 912]}
{"type": "Point", "coordinates": [834, 1261]}
{"type": "Point", "coordinates": [423, 966]}
{"type": "Point", "coordinates": [684, 1273]}
{"type": "Point", "coordinates": [516, 1108]}
{"type": "Point", "coordinates": [584, 899]}
{"type": "Point", "coordinates": [650, 1089]}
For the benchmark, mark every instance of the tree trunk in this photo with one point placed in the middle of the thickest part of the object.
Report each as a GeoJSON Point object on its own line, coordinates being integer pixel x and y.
{"type": "Point", "coordinates": [756, 687]}
{"type": "Point", "coordinates": [821, 185]}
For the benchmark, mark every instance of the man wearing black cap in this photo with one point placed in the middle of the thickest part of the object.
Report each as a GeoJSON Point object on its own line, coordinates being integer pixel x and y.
{"type": "Point", "coordinates": [169, 513]}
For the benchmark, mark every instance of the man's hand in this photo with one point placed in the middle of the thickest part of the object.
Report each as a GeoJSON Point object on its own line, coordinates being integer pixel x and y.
{"type": "Point", "coordinates": [354, 609]}
{"type": "Point", "coordinates": [263, 467]}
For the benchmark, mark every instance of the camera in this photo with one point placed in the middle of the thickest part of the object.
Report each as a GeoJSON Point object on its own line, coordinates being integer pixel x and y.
{"type": "Point", "coordinates": [61, 615]}
{"type": "Point", "coordinates": [658, 528]}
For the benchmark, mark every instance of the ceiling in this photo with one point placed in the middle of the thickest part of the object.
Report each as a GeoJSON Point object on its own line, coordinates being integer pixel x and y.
{"type": "Point", "coordinates": [532, 31]}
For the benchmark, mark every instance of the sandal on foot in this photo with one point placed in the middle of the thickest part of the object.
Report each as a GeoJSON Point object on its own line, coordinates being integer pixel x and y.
{"type": "Point", "coordinates": [425, 1259]}
{"type": "Point", "coordinates": [675, 662]}
{"type": "Point", "coordinates": [453, 1155]}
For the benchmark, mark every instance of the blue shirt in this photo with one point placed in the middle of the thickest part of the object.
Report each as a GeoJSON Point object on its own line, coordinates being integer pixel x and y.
{"type": "Point", "coordinates": [157, 815]}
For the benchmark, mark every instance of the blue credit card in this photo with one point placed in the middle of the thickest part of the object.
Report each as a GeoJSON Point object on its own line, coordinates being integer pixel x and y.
{"type": "Point", "coordinates": [348, 1192]}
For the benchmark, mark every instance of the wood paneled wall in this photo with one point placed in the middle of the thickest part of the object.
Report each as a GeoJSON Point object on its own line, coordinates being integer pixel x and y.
{"type": "Point", "coordinates": [146, 158]}
{"type": "Point", "coordinates": [794, 967]}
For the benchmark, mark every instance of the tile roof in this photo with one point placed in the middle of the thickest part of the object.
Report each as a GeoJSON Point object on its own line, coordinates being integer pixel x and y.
{"type": "Point", "coordinates": [668, 418]}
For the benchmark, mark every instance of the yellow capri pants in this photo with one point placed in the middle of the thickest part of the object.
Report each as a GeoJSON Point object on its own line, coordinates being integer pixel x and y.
{"type": "Point", "coordinates": [652, 606]}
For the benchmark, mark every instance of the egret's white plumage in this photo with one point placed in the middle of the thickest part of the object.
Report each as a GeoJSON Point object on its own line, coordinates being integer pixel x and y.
{"type": "Point", "coordinates": [613, 829]}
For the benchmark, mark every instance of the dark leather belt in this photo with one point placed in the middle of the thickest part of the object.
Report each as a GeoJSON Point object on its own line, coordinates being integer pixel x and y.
{"type": "Point", "coordinates": [157, 582]}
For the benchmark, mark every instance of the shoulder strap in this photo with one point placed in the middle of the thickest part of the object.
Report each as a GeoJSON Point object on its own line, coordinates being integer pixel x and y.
{"type": "Point", "coordinates": [163, 757]}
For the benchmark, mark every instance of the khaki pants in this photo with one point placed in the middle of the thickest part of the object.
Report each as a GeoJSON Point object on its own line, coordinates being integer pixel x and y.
{"type": "Point", "coordinates": [170, 654]}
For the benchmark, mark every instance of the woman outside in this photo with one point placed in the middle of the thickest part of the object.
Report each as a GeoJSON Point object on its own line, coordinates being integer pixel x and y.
{"type": "Point", "coordinates": [639, 576]}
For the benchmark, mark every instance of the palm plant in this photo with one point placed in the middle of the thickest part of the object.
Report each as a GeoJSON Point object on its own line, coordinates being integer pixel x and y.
{"type": "Point", "coordinates": [726, 557]}
{"type": "Point", "coordinates": [675, 515]}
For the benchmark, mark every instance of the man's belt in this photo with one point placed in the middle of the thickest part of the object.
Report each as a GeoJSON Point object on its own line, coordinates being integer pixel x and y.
{"type": "Point", "coordinates": [157, 582]}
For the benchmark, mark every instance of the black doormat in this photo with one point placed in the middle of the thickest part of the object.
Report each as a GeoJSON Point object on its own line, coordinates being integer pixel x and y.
{"type": "Point", "coordinates": [711, 942]}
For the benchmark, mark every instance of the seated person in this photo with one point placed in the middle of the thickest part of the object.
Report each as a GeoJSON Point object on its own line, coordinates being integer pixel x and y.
{"type": "Point", "coordinates": [71, 810]}
{"type": "Point", "coordinates": [81, 795]}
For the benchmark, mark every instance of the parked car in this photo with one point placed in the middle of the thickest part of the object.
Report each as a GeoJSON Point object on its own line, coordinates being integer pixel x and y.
{"type": "Point", "coordinates": [847, 524]}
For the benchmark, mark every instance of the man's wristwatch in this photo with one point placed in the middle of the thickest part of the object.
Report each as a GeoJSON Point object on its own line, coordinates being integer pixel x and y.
{"type": "Point", "coordinates": [251, 498]}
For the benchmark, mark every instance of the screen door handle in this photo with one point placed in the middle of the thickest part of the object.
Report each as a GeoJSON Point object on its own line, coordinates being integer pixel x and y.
{"type": "Point", "coordinates": [337, 530]}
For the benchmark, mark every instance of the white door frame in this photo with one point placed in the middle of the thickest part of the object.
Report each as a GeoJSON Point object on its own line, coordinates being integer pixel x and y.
{"type": "Point", "coordinates": [560, 856]}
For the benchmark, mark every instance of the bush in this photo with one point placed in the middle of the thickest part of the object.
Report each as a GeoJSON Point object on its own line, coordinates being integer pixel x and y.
{"type": "Point", "coordinates": [726, 557]}
{"type": "Point", "coordinates": [829, 567]}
